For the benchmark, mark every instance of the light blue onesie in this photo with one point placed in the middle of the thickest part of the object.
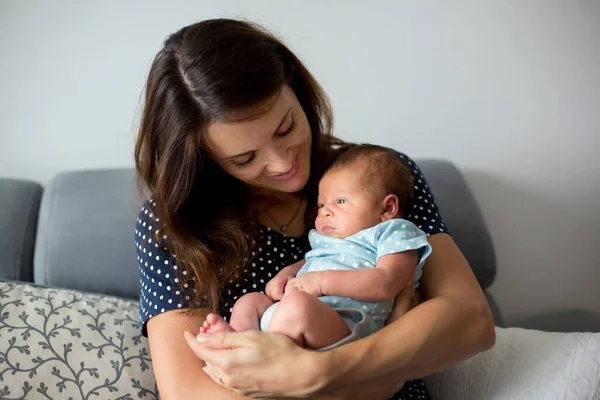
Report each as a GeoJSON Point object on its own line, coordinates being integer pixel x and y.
{"type": "Point", "coordinates": [361, 250]}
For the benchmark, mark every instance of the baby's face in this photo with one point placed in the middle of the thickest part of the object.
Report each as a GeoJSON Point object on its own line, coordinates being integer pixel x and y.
{"type": "Point", "coordinates": [345, 207]}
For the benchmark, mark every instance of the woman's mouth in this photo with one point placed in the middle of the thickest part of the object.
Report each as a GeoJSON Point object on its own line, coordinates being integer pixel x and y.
{"type": "Point", "coordinates": [291, 173]}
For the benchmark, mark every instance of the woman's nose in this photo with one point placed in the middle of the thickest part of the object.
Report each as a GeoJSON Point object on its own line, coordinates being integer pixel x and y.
{"type": "Point", "coordinates": [280, 161]}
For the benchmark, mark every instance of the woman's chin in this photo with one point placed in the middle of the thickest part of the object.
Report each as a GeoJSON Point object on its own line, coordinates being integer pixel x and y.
{"type": "Point", "coordinates": [293, 185]}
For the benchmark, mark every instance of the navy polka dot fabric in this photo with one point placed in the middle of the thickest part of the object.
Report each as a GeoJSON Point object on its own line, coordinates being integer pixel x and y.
{"type": "Point", "coordinates": [161, 289]}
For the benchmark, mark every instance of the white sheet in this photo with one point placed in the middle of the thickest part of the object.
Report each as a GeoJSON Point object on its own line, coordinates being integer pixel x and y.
{"type": "Point", "coordinates": [526, 364]}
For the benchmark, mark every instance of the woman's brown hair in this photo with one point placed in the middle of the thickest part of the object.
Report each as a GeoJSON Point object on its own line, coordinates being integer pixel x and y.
{"type": "Point", "coordinates": [207, 72]}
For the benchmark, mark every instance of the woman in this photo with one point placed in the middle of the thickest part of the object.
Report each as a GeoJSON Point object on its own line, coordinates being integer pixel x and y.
{"type": "Point", "coordinates": [234, 137]}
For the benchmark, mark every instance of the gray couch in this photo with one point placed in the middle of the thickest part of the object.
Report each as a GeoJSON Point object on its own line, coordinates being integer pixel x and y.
{"type": "Point", "coordinates": [67, 255]}
{"type": "Point", "coordinates": [84, 231]}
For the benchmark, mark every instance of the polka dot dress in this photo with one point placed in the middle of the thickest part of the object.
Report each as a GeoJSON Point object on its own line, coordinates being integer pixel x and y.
{"type": "Point", "coordinates": [161, 289]}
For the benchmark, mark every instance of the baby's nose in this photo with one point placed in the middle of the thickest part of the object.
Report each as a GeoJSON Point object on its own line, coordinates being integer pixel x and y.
{"type": "Point", "coordinates": [325, 211]}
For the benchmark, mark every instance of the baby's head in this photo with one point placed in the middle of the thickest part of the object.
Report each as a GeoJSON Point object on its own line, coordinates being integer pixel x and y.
{"type": "Point", "coordinates": [366, 185]}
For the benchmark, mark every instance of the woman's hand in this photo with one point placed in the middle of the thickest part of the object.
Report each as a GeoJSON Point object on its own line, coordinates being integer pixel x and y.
{"type": "Point", "coordinates": [259, 364]}
{"type": "Point", "coordinates": [403, 303]}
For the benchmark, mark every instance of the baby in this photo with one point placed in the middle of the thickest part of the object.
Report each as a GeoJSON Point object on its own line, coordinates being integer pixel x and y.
{"type": "Point", "coordinates": [363, 254]}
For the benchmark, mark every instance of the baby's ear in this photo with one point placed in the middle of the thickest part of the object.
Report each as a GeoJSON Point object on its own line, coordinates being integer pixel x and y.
{"type": "Point", "coordinates": [390, 207]}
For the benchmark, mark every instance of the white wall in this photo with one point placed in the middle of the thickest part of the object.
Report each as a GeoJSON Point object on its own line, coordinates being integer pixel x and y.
{"type": "Point", "coordinates": [510, 93]}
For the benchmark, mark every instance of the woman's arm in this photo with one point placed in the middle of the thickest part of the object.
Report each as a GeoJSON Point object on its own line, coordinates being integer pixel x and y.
{"type": "Point", "coordinates": [177, 370]}
{"type": "Point", "coordinates": [453, 324]}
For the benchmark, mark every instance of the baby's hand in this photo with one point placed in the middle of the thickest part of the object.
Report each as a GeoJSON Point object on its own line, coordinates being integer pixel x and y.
{"type": "Point", "coordinates": [311, 282]}
{"type": "Point", "coordinates": [276, 286]}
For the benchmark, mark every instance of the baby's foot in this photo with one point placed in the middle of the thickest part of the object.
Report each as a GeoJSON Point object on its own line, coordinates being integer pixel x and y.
{"type": "Point", "coordinates": [214, 323]}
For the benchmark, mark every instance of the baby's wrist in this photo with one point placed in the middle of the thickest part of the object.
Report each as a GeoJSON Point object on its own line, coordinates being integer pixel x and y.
{"type": "Point", "coordinates": [324, 283]}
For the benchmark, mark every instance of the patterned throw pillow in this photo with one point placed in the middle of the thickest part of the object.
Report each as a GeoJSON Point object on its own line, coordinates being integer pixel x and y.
{"type": "Point", "coordinates": [64, 344]}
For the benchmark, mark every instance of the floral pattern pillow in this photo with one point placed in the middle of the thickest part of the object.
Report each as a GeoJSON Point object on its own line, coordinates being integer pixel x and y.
{"type": "Point", "coordinates": [64, 344]}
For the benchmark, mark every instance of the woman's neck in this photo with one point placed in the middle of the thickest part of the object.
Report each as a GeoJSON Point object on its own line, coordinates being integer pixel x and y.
{"type": "Point", "coordinates": [263, 201]}
{"type": "Point", "coordinates": [282, 212]}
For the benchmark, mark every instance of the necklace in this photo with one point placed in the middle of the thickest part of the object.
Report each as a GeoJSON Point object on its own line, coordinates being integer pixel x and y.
{"type": "Point", "coordinates": [283, 227]}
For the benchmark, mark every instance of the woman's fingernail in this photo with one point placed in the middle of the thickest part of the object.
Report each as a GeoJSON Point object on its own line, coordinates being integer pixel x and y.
{"type": "Point", "coordinates": [203, 338]}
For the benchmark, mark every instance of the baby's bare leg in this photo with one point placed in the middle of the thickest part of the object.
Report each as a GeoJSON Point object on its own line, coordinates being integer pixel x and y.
{"type": "Point", "coordinates": [308, 321]}
{"type": "Point", "coordinates": [248, 310]}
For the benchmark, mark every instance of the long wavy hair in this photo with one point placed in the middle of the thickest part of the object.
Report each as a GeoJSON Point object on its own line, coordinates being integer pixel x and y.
{"type": "Point", "coordinates": [207, 72]}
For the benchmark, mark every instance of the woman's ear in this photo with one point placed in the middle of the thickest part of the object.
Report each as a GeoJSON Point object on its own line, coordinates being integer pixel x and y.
{"type": "Point", "coordinates": [390, 207]}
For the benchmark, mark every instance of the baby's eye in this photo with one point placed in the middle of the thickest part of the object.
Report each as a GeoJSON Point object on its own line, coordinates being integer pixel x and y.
{"type": "Point", "coordinates": [341, 201]}
{"type": "Point", "coordinates": [320, 205]}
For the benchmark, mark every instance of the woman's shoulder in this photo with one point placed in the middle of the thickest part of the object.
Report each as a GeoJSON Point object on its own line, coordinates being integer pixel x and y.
{"type": "Point", "coordinates": [147, 219]}
{"type": "Point", "coordinates": [147, 211]}
{"type": "Point", "coordinates": [407, 160]}
{"type": "Point", "coordinates": [150, 240]}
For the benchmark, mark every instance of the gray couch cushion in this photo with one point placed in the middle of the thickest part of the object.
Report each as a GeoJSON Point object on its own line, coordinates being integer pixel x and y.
{"type": "Point", "coordinates": [463, 217]}
{"type": "Point", "coordinates": [87, 222]}
{"type": "Point", "coordinates": [85, 235]}
{"type": "Point", "coordinates": [19, 207]}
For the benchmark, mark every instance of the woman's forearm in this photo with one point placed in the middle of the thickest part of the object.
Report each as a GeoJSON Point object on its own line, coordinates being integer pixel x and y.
{"type": "Point", "coordinates": [202, 389]}
{"type": "Point", "coordinates": [427, 339]}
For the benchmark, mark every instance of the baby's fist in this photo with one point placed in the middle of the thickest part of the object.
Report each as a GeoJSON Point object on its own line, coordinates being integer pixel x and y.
{"type": "Point", "coordinates": [311, 282]}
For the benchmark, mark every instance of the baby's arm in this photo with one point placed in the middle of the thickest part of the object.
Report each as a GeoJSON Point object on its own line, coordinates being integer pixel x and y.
{"type": "Point", "coordinates": [392, 274]}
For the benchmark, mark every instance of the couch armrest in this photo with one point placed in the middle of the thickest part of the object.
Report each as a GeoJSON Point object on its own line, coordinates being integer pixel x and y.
{"type": "Point", "coordinates": [462, 216]}
{"type": "Point", "coordinates": [19, 207]}
{"type": "Point", "coordinates": [523, 365]}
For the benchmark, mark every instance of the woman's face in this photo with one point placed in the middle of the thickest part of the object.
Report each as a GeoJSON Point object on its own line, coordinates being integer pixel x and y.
{"type": "Point", "coordinates": [270, 153]}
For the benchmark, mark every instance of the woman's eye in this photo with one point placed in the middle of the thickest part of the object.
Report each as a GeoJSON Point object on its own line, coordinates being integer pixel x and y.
{"type": "Point", "coordinates": [288, 131]}
{"type": "Point", "coordinates": [245, 163]}
{"type": "Point", "coordinates": [341, 201]}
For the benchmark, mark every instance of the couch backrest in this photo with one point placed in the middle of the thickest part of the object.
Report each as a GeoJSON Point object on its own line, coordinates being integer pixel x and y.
{"type": "Point", "coordinates": [85, 232]}
{"type": "Point", "coordinates": [86, 227]}
{"type": "Point", "coordinates": [462, 216]}
{"type": "Point", "coordinates": [19, 207]}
